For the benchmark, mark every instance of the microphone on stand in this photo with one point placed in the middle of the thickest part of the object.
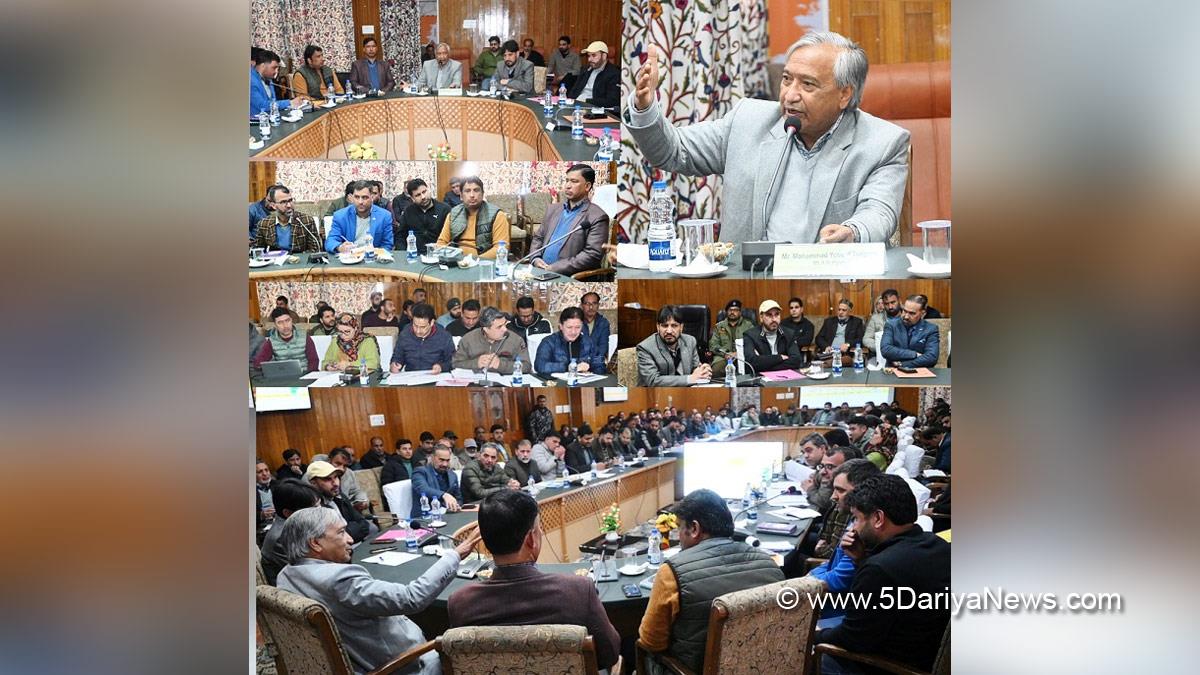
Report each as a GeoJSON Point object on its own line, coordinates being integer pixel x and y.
{"type": "Point", "coordinates": [754, 380]}
{"type": "Point", "coordinates": [531, 254]}
{"type": "Point", "coordinates": [746, 536]}
{"type": "Point", "coordinates": [486, 382]}
{"type": "Point", "coordinates": [792, 126]}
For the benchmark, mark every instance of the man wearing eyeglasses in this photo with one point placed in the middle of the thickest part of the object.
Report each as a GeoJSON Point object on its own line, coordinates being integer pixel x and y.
{"type": "Point", "coordinates": [595, 326]}
{"type": "Point", "coordinates": [285, 228]}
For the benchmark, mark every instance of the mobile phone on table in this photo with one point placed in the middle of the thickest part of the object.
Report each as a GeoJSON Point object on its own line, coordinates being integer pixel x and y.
{"type": "Point", "coordinates": [631, 591]}
{"type": "Point", "coordinates": [909, 371]}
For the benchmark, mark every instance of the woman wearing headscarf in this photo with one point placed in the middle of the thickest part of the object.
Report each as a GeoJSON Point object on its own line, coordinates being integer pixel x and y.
{"type": "Point", "coordinates": [881, 449]}
{"type": "Point", "coordinates": [350, 346]}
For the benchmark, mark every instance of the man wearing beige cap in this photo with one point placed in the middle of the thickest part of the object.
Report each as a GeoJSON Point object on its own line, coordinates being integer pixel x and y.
{"type": "Point", "coordinates": [326, 478]}
{"type": "Point", "coordinates": [600, 84]}
{"type": "Point", "coordinates": [767, 347]}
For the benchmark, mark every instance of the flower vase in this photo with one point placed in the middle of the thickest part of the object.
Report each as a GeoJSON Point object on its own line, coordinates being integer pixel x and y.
{"type": "Point", "coordinates": [611, 536]}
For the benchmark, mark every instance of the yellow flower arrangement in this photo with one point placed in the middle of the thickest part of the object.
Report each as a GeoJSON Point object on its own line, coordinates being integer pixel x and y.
{"type": "Point", "coordinates": [665, 523]}
{"type": "Point", "coordinates": [611, 520]}
{"type": "Point", "coordinates": [441, 152]}
{"type": "Point", "coordinates": [362, 150]}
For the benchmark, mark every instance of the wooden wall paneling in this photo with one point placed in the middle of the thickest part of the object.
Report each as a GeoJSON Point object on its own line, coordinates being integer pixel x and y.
{"type": "Point", "coordinates": [909, 398]}
{"type": "Point", "coordinates": [895, 31]}
{"type": "Point", "coordinates": [262, 176]}
{"type": "Point", "coordinates": [366, 13]}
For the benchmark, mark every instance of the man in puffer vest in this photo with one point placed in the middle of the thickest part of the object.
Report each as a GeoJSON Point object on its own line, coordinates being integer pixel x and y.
{"type": "Point", "coordinates": [710, 565]}
{"type": "Point", "coordinates": [475, 226]}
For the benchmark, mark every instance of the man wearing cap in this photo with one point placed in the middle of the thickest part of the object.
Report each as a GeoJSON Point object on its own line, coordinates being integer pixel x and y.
{"type": "Point", "coordinates": [453, 311]}
{"type": "Point", "coordinates": [326, 478]}
{"type": "Point", "coordinates": [376, 303]}
{"type": "Point", "coordinates": [725, 335]}
{"type": "Point", "coordinates": [600, 84]}
{"type": "Point", "coordinates": [465, 456]}
{"type": "Point", "coordinates": [767, 347]}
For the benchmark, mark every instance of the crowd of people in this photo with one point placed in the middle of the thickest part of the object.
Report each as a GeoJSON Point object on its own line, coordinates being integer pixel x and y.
{"type": "Point", "coordinates": [570, 239]}
{"type": "Point", "coordinates": [866, 537]}
{"type": "Point", "coordinates": [772, 341]}
{"type": "Point", "coordinates": [468, 335]}
{"type": "Point", "coordinates": [599, 84]}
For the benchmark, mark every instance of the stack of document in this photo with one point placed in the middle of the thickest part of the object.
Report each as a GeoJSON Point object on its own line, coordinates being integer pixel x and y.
{"type": "Point", "coordinates": [583, 378]}
{"type": "Point", "coordinates": [459, 377]}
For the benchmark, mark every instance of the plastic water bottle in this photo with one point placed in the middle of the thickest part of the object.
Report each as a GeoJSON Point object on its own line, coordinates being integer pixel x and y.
{"type": "Point", "coordinates": [411, 247]}
{"type": "Point", "coordinates": [837, 363]}
{"type": "Point", "coordinates": [436, 508]}
{"type": "Point", "coordinates": [364, 376]}
{"type": "Point", "coordinates": [562, 95]}
{"type": "Point", "coordinates": [330, 92]}
{"type": "Point", "coordinates": [274, 113]}
{"type": "Point", "coordinates": [410, 537]}
{"type": "Point", "coordinates": [264, 125]}
{"type": "Point", "coordinates": [577, 124]}
{"type": "Point", "coordinates": [654, 552]}
{"type": "Point", "coordinates": [605, 153]}
{"type": "Point", "coordinates": [858, 359]}
{"type": "Point", "coordinates": [573, 373]}
{"type": "Point", "coordinates": [548, 104]}
{"type": "Point", "coordinates": [752, 513]}
{"type": "Point", "coordinates": [532, 484]}
{"type": "Point", "coordinates": [595, 473]}
{"type": "Point", "coordinates": [730, 373]}
{"type": "Point", "coordinates": [424, 506]}
{"type": "Point", "coordinates": [566, 476]}
{"type": "Point", "coordinates": [347, 90]}
{"type": "Point", "coordinates": [662, 228]}
{"type": "Point", "coordinates": [502, 259]}
{"type": "Point", "coordinates": [492, 84]}
{"type": "Point", "coordinates": [517, 379]}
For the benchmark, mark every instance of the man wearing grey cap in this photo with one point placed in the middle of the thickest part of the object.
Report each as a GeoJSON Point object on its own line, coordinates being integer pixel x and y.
{"type": "Point", "coordinates": [453, 311]}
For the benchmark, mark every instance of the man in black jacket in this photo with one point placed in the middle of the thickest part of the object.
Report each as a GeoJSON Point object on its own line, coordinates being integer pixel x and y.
{"type": "Point", "coordinates": [796, 324]}
{"type": "Point", "coordinates": [890, 552]}
{"type": "Point", "coordinates": [841, 332]}
{"type": "Point", "coordinates": [424, 216]}
{"type": "Point", "coordinates": [579, 457]}
{"type": "Point", "coordinates": [326, 478]}
{"type": "Point", "coordinates": [600, 84]}
{"type": "Point", "coordinates": [767, 347]}
{"type": "Point", "coordinates": [401, 464]}
{"type": "Point", "coordinates": [527, 321]}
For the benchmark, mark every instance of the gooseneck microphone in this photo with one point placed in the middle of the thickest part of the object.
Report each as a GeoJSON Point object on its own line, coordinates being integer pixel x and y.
{"type": "Point", "coordinates": [792, 126]}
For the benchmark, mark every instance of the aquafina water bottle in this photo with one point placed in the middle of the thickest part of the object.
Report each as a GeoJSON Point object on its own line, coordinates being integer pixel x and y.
{"type": "Point", "coordinates": [517, 378]}
{"type": "Point", "coordinates": [264, 125]}
{"type": "Point", "coordinates": [562, 95]}
{"type": "Point", "coordinates": [730, 373]}
{"type": "Point", "coordinates": [662, 228]}
{"type": "Point", "coordinates": [605, 153]}
{"type": "Point", "coordinates": [654, 547]}
{"type": "Point", "coordinates": [859, 365]}
{"type": "Point", "coordinates": [411, 247]}
{"type": "Point", "coordinates": [502, 259]}
{"type": "Point", "coordinates": [274, 113]}
{"type": "Point", "coordinates": [548, 104]}
{"type": "Point", "coordinates": [573, 373]}
{"type": "Point", "coordinates": [577, 124]}
{"type": "Point", "coordinates": [424, 506]}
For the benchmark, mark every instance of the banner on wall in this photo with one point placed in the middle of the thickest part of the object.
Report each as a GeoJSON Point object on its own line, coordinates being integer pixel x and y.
{"type": "Point", "coordinates": [789, 20]}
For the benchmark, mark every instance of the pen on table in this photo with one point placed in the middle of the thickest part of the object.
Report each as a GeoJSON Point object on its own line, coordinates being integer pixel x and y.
{"type": "Point", "coordinates": [381, 550]}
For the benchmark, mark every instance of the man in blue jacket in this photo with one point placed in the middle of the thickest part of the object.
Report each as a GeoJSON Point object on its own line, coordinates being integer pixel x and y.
{"type": "Point", "coordinates": [435, 480]}
{"type": "Point", "coordinates": [262, 92]}
{"type": "Point", "coordinates": [422, 344]}
{"type": "Point", "coordinates": [362, 217]}
{"type": "Point", "coordinates": [909, 340]}
{"type": "Point", "coordinates": [595, 325]}
{"type": "Point", "coordinates": [838, 571]}
{"type": "Point", "coordinates": [556, 351]}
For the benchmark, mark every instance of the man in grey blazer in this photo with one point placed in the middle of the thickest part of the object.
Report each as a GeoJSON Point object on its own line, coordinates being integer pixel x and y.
{"type": "Point", "coordinates": [841, 179]}
{"type": "Point", "coordinates": [669, 357]}
{"type": "Point", "coordinates": [582, 249]}
{"type": "Point", "coordinates": [440, 72]}
{"type": "Point", "coordinates": [513, 71]}
{"type": "Point", "coordinates": [369, 613]}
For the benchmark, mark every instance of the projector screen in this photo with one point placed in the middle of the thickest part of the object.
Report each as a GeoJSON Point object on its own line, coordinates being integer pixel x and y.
{"type": "Point", "coordinates": [272, 399]}
{"type": "Point", "coordinates": [614, 394]}
{"type": "Point", "coordinates": [815, 397]}
{"type": "Point", "coordinates": [726, 467]}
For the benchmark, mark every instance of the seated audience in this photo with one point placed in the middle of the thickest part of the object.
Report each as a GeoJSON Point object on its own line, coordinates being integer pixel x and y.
{"type": "Point", "coordinates": [285, 228]}
{"type": "Point", "coordinates": [482, 476]}
{"type": "Point", "coordinates": [453, 196]}
{"type": "Point", "coordinates": [486, 62]}
{"type": "Point", "coordinates": [325, 322]}
{"type": "Point", "coordinates": [768, 347]}
{"type": "Point", "coordinates": [363, 223]}
{"type": "Point", "coordinates": [860, 428]}
{"type": "Point", "coordinates": [513, 73]}
{"type": "Point", "coordinates": [750, 418]}
{"type": "Point", "coordinates": [723, 342]}
{"type": "Point", "coordinates": [532, 55]}
{"type": "Point", "coordinates": [549, 455]}
{"type": "Point", "coordinates": [422, 344]}
{"type": "Point", "coordinates": [424, 217]}
{"type": "Point", "coordinates": [375, 456]}
{"type": "Point", "coordinates": [290, 495]}
{"type": "Point", "coordinates": [371, 73]}
{"type": "Point", "coordinates": [376, 299]}
{"type": "Point", "coordinates": [284, 343]}
{"type": "Point", "coordinates": [557, 350]}
{"type": "Point", "coordinates": [890, 550]}
{"type": "Point", "coordinates": [564, 64]}
{"type": "Point", "coordinates": [314, 79]}
{"type": "Point", "coordinates": [880, 448]}
{"type": "Point", "coordinates": [526, 321]}
{"type": "Point", "coordinates": [796, 325]}
{"type": "Point", "coordinates": [292, 467]}
{"type": "Point", "coordinates": [573, 232]}
{"type": "Point", "coordinates": [264, 507]}
{"type": "Point", "coordinates": [348, 485]}
{"type": "Point", "coordinates": [401, 464]}
{"type": "Point", "coordinates": [258, 211]}
{"type": "Point", "coordinates": [710, 564]}
{"type": "Point", "coordinates": [453, 311]}
{"type": "Point", "coordinates": [351, 347]}
{"type": "Point", "coordinates": [669, 358]}
{"type": "Point", "coordinates": [475, 226]}
{"type": "Point", "coordinates": [579, 456]}
{"type": "Point", "coordinates": [370, 614]}
{"type": "Point", "coordinates": [838, 571]}
{"type": "Point", "coordinates": [518, 593]}
{"type": "Point", "coordinates": [435, 480]}
{"type": "Point", "coordinates": [890, 301]}
{"type": "Point", "coordinates": [262, 87]}
{"type": "Point", "coordinates": [492, 348]}
{"type": "Point", "coordinates": [385, 318]}
{"type": "Point", "coordinates": [910, 341]}
{"type": "Point", "coordinates": [468, 319]}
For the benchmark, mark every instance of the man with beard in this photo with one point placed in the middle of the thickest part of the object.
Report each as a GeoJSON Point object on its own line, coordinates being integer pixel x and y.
{"type": "Point", "coordinates": [564, 63]}
{"type": "Point", "coordinates": [725, 336]}
{"type": "Point", "coordinates": [910, 341]}
{"type": "Point", "coordinates": [541, 420]}
{"type": "Point", "coordinates": [600, 84]}
{"type": "Point", "coordinates": [767, 347]}
{"type": "Point", "coordinates": [326, 478]}
{"type": "Point", "coordinates": [482, 476]}
{"type": "Point", "coordinates": [526, 321]}
{"type": "Point", "coordinates": [475, 226]}
{"type": "Point", "coordinates": [292, 467]}
{"type": "Point", "coordinates": [468, 319]}
{"type": "Point", "coordinates": [385, 318]}
{"type": "Point", "coordinates": [521, 467]}
{"type": "Point", "coordinates": [453, 196]}
{"type": "Point", "coordinates": [891, 310]}
{"type": "Point", "coordinates": [669, 357]}
{"type": "Point", "coordinates": [424, 217]}
{"type": "Point", "coordinates": [514, 73]}
{"type": "Point", "coordinates": [485, 63]}
{"type": "Point", "coordinates": [375, 454]}
{"type": "Point", "coordinates": [453, 311]}
{"type": "Point", "coordinates": [324, 323]}
{"type": "Point", "coordinates": [796, 325]}
{"type": "Point", "coordinates": [532, 55]}
{"type": "Point", "coordinates": [285, 228]}
{"type": "Point", "coordinates": [841, 332]}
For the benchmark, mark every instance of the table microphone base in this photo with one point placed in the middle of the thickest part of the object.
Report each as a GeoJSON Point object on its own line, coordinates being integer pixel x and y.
{"type": "Point", "coordinates": [487, 383]}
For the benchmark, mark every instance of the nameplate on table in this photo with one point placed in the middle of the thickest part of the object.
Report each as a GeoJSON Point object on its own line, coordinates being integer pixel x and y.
{"type": "Point", "coordinates": [450, 91]}
{"type": "Point", "coordinates": [830, 260]}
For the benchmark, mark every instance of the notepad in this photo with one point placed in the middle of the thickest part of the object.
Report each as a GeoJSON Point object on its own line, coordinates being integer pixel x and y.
{"type": "Point", "coordinates": [781, 375]}
{"type": "Point", "coordinates": [794, 513]}
{"type": "Point", "coordinates": [398, 534]}
{"type": "Point", "coordinates": [920, 372]}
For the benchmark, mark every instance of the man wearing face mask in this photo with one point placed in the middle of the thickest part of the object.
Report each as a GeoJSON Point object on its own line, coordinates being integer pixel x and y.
{"type": "Point", "coordinates": [840, 179]}
{"type": "Point", "coordinates": [555, 352]}
{"type": "Point", "coordinates": [564, 63]}
{"type": "Point", "coordinates": [514, 72]}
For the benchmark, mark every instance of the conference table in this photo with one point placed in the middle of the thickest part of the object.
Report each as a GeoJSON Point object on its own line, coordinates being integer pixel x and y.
{"type": "Point", "coordinates": [570, 517]}
{"type": "Point", "coordinates": [384, 272]}
{"type": "Point", "coordinates": [374, 380]}
{"type": "Point", "coordinates": [867, 378]}
{"type": "Point", "coordinates": [897, 267]}
{"type": "Point", "coordinates": [401, 126]}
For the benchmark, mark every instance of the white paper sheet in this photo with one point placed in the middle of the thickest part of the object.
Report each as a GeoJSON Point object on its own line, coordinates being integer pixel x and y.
{"type": "Point", "coordinates": [313, 375]}
{"type": "Point", "coordinates": [778, 545]}
{"type": "Point", "coordinates": [391, 558]}
{"type": "Point", "coordinates": [327, 381]}
{"type": "Point", "coordinates": [797, 471]}
{"type": "Point", "coordinates": [410, 378]}
{"type": "Point", "coordinates": [584, 378]}
{"type": "Point", "coordinates": [794, 513]}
